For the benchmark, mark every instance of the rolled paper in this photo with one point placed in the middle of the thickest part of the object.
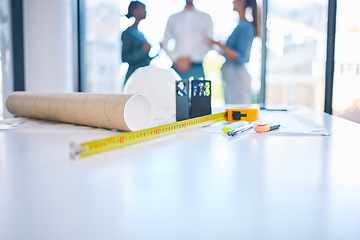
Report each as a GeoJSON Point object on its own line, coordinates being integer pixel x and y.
{"type": "Point", "coordinates": [42, 106]}
{"type": "Point", "coordinates": [129, 112]}
{"type": "Point", "coordinates": [56, 106]}
{"type": "Point", "coordinates": [10, 103]}
{"type": "Point", "coordinates": [71, 105]}
{"type": "Point", "coordinates": [28, 104]}
{"type": "Point", "coordinates": [94, 109]}
{"type": "Point", "coordinates": [130, 118]}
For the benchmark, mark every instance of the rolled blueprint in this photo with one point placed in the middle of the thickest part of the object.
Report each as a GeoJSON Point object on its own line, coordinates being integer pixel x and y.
{"type": "Point", "coordinates": [129, 112]}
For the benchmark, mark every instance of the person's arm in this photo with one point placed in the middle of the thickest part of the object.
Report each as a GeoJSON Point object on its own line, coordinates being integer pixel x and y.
{"type": "Point", "coordinates": [130, 53]}
{"type": "Point", "coordinates": [228, 52]}
{"type": "Point", "coordinates": [242, 47]}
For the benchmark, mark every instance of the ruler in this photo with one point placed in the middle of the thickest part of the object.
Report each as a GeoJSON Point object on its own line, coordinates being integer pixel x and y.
{"type": "Point", "coordinates": [85, 149]}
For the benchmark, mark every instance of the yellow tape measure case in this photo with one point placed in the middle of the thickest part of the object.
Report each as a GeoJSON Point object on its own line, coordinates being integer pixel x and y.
{"type": "Point", "coordinates": [249, 114]}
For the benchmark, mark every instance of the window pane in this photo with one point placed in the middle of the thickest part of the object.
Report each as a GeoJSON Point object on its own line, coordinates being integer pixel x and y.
{"type": "Point", "coordinates": [346, 101]}
{"type": "Point", "coordinates": [6, 77]}
{"type": "Point", "coordinates": [296, 52]}
{"type": "Point", "coordinates": [102, 20]}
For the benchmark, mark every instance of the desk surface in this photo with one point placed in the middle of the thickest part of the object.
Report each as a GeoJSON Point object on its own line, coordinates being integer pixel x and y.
{"type": "Point", "coordinates": [198, 184]}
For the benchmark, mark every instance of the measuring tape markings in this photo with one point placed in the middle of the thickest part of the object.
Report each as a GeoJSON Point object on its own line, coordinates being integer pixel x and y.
{"type": "Point", "coordinates": [122, 140]}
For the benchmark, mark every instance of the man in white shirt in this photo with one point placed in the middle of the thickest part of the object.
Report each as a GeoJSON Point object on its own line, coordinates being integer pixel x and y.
{"type": "Point", "coordinates": [190, 30]}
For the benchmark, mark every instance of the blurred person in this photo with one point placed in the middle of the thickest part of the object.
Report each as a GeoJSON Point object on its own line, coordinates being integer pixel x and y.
{"type": "Point", "coordinates": [135, 48]}
{"type": "Point", "coordinates": [236, 79]}
{"type": "Point", "coordinates": [190, 30]}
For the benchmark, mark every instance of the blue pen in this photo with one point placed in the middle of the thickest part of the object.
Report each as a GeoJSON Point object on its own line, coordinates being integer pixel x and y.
{"type": "Point", "coordinates": [239, 130]}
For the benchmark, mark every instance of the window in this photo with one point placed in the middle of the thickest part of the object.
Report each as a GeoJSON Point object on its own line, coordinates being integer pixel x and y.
{"type": "Point", "coordinates": [296, 47]}
{"type": "Point", "coordinates": [105, 20]}
{"type": "Point", "coordinates": [346, 98]}
{"type": "Point", "coordinates": [6, 78]}
{"type": "Point", "coordinates": [102, 46]}
{"type": "Point", "coordinates": [296, 55]}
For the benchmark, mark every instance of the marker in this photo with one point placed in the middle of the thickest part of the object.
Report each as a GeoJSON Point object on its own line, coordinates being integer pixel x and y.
{"type": "Point", "coordinates": [239, 130]}
{"type": "Point", "coordinates": [266, 127]}
{"type": "Point", "coordinates": [232, 126]}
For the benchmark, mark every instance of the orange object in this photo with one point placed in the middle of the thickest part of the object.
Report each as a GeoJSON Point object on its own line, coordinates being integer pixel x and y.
{"type": "Point", "coordinates": [266, 127]}
{"type": "Point", "coordinates": [248, 114]}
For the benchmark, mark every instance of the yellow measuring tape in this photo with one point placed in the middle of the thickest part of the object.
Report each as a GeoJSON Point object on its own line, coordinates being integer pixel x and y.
{"type": "Point", "coordinates": [129, 138]}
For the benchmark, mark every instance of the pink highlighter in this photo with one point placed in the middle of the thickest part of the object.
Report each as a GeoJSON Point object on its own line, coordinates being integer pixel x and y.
{"type": "Point", "coordinates": [266, 127]}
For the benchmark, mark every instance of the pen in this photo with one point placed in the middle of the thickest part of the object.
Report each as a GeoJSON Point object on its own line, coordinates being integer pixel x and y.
{"type": "Point", "coordinates": [232, 126]}
{"type": "Point", "coordinates": [266, 127]}
{"type": "Point", "coordinates": [239, 130]}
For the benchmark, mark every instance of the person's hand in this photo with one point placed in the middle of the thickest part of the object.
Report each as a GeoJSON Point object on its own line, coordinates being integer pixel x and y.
{"type": "Point", "coordinates": [146, 46]}
{"type": "Point", "coordinates": [183, 64]}
{"type": "Point", "coordinates": [212, 41]}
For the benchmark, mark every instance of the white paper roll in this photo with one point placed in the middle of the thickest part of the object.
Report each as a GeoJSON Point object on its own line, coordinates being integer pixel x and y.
{"type": "Point", "coordinates": [128, 112]}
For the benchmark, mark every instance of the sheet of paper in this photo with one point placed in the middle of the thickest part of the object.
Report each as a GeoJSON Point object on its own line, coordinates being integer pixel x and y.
{"type": "Point", "coordinates": [290, 123]}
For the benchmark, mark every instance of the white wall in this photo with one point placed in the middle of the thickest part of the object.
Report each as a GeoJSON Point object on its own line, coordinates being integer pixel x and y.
{"type": "Point", "coordinates": [48, 43]}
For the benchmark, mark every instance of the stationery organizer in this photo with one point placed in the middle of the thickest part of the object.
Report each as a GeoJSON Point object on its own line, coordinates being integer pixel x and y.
{"type": "Point", "coordinates": [193, 99]}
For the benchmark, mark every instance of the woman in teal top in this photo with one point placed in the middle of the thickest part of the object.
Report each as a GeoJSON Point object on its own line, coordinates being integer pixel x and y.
{"type": "Point", "coordinates": [135, 48]}
{"type": "Point", "coordinates": [236, 79]}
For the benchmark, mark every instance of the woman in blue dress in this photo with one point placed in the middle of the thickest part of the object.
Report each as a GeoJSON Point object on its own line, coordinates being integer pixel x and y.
{"type": "Point", "coordinates": [236, 79]}
{"type": "Point", "coordinates": [135, 48]}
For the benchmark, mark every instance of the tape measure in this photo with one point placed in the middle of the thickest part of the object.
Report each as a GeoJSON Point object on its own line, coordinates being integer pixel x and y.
{"type": "Point", "coordinates": [249, 114]}
{"type": "Point", "coordinates": [129, 138]}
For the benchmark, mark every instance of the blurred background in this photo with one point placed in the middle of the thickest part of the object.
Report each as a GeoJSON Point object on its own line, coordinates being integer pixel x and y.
{"type": "Point", "coordinates": [296, 49]}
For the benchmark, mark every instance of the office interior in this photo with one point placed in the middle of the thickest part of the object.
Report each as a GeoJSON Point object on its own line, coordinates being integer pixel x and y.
{"type": "Point", "coordinates": [311, 56]}
{"type": "Point", "coordinates": [197, 184]}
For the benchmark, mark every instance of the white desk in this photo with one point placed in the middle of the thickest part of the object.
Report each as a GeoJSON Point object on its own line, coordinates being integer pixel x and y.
{"type": "Point", "coordinates": [193, 185]}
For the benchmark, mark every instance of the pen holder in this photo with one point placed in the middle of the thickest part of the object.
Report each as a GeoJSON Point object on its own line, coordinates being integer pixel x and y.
{"type": "Point", "coordinates": [193, 99]}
